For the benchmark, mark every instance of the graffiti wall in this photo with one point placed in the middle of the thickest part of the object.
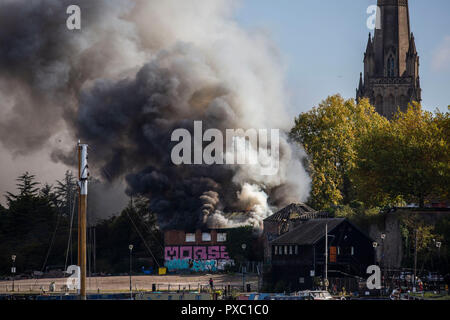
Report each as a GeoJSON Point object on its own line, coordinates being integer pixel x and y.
{"type": "Point", "coordinates": [196, 258]}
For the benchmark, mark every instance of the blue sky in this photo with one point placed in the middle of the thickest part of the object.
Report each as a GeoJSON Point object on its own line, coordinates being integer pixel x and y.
{"type": "Point", "coordinates": [322, 43]}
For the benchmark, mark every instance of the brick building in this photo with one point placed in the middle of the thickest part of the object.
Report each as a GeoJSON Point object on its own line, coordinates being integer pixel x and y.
{"type": "Point", "coordinates": [196, 251]}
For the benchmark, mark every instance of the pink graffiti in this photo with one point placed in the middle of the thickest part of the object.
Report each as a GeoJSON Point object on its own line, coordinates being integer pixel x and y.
{"type": "Point", "coordinates": [196, 253]}
{"type": "Point", "coordinates": [185, 253]}
{"type": "Point", "coordinates": [214, 252]}
{"type": "Point", "coordinates": [171, 253]}
{"type": "Point", "coordinates": [200, 253]}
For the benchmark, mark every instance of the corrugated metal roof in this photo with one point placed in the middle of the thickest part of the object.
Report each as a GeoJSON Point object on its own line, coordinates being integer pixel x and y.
{"type": "Point", "coordinates": [308, 232]}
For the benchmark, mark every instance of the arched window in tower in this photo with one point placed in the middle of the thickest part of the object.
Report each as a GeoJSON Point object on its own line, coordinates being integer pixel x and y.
{"type": "Point", "coordinates": [390, 66]}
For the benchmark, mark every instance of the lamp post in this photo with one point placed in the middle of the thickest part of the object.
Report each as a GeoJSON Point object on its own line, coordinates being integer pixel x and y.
{"type": "Point", "coordinates": [13, 269]}
{"type": "Point", "coordinates": [415, 262]}
{"type": "Point", "coordinates": [327, 248]}
{"type": "Point", "coordinates": [325, 281]}
{"type": "Point", "coordinates": [438, 245]}
{"type": "Point", "coordinates": [130, 247]}
{"type": "Point", "coordinates": [243, 246]}
{"type": "Point", "coordinates": [375, 246]}
{"type": "Point", "coordinates": [383, 262]}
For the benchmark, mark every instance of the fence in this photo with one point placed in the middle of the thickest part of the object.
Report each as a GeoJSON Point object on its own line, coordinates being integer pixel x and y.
{"type": "Point", "coordinates": [248, 286]}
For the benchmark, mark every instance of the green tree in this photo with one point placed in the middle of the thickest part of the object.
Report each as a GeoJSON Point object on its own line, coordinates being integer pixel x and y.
{"type": "Point", "coordinates": [418, 235]}
{"type": "Point", "coordinates": [329, 134]}
{"type": "Point", "coordinates": [407, 158]}
{"type": "Point", "coordinates": [135, 225]}
{"type": "Point", "coordinates": [26, 185]}
{"type": "Point", "coordinates": [28, 228]}
{"type": "Point", "coordinates": [47, 193]}
{"type": "Point", "coordinates": [360, 215]}
{"type": "Point", "coordinates": [34, 228]}
{"type": "Point", "coordinates": [443, 253]}
{"type": "Point", "coordinates": [66, 191]}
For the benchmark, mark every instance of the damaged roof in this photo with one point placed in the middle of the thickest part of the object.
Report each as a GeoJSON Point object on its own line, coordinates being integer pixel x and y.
{"type": "Point", "coordinates": [308, 232]}
{"type": "Point", "coordinates": [294, 211]}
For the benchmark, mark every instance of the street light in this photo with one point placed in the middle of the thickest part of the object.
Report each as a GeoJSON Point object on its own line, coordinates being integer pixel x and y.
{"type": "Point", "coordinates": [438, 245]}
{"type": "Point", "coordinates": [383, 236]}
{"type": "Point", "coordinates": [375, 246]}
{"type": "Point", "coordinates": [131, 288]}
{"type": "Point", "coordinates": [13, 269]}
{"type": "Point", "coordinates": [243, 246]}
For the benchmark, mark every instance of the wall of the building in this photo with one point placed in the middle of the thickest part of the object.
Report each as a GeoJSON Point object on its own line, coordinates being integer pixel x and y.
{"type": "Point", "coordinates": [195, 256]}
{"type": "Point", "coordinates": [389, 253]}
{"type": "Point", "coordinates": [295, 270]}
{"type": "Point", "coordinates": [270, 233]}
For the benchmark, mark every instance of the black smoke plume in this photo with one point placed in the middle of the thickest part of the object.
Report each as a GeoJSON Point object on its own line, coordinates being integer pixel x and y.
{"type": "Point", "coordinates": [137, 71]}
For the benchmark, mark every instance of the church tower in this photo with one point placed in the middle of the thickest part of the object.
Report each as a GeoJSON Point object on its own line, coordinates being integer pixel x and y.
{"type": "Point", "coordinates": [391, 64]}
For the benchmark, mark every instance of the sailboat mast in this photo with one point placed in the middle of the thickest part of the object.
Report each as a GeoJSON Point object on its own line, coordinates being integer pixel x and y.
{"type": "Point", "coordinates": [83, 189]}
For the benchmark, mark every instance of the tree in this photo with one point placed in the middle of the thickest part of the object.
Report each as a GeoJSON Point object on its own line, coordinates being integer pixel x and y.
{"type": "Point", "coordinates": [66, 191]}
{"type": "Point", "coordinates": [34, 228]}
{"type": "Point", "coordinates": [419, 237]}
{"type": "Point", "coordinates": [407, 158]}
{"type": "Point", "coordinates": [28, 227]}
{"type": "Point", "coordinates": [329, 134]}
{"type": "Point", "coordinates": [47, 193]}
{"type": "Point", "coordinates": [443, 230]}
{"type": "Point", "coordinates": [357, 213]}
{"type": "Point", "coordinates": [26, 186]}
{"type": "Point", "coordinates": [135, 225]}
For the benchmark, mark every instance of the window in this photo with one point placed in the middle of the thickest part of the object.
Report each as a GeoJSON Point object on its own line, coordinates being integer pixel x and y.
{"type": "Point", "coordinates": [390, 67]}
{"type": "Point", "coordinates": [221, 237]}
{"type": "Point", "coordinates": [190, 237]}
{"type": "Point", "coordinates": [290, 249]}
{"type": "Point", "coordinates": [338, 250]}
{"type": "Point", "coordinates": [276, 250]}
{"type": "Point", "coordinates": [206, 236]}
{"type": "Point", "coordinates": [296, 249]}
{"type": "Point", "coordinates": [352, 251]}
{"type": "Point", "coordinates": [285, 250]}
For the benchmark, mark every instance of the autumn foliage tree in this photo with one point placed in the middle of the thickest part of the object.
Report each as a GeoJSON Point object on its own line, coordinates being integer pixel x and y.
{"type": "Point", "coordinates": [407, 158]}
{"type": "Point", "coordinates": [330, 133]}
{"type": "Point", "coordinates": [354, 154]}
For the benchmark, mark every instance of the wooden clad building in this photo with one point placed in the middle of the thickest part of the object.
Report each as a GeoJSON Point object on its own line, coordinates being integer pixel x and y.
{"type": "Point", "coordinates": [298, 256]}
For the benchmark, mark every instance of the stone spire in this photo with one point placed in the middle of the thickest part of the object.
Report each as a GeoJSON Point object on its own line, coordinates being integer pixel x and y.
{"type": "Point", "coordinates": [391, 63]}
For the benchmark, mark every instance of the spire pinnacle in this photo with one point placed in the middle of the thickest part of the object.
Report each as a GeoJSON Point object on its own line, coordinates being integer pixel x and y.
{"type": "Point", "coordinates": [360, 82]}
{"type": "Point", "coordinates": [369, 48]}
{"type": "Point", "coordinates": [412, 45]}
